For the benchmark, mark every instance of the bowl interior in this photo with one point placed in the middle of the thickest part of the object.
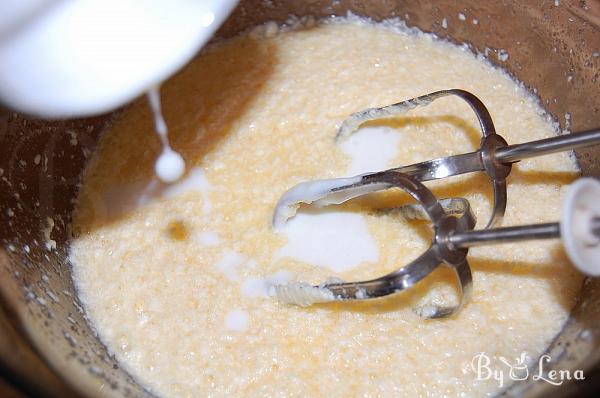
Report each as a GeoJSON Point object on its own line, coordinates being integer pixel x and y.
{"type": "Point", "coordinates": [553, 50]}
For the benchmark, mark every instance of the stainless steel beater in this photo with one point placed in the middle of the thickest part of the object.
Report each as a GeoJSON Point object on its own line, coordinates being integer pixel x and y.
{"type": "Point", "coordinates": [494, 157]}
{"type": "Point", "coordinates": [453, 223]}
{"type": "Point", "coordinates": [452, 219]}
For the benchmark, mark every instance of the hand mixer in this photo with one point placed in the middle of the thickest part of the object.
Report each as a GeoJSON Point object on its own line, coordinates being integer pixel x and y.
{"type": "Point", "coordinates": [452, 219]}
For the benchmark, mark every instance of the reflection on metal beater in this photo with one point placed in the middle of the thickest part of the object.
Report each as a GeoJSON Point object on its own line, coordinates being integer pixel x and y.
{"type": "Point", "coordinates": [452, 219]}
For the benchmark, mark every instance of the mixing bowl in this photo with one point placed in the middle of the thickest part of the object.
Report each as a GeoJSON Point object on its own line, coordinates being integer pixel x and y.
{"type": "Point", "coordinates": [47, 348]}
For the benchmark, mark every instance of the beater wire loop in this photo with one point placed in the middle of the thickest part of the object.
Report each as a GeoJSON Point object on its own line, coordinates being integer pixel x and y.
{"type": "Point", "coordinates": [452, 219]}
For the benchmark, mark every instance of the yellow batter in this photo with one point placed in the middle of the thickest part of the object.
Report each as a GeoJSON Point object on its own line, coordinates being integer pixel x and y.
{"type": "Point", "coordinates": [169, 274]}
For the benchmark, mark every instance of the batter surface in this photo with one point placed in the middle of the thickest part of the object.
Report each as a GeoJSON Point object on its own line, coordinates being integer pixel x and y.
{"type": "Point", "coordinates": [174, 277]}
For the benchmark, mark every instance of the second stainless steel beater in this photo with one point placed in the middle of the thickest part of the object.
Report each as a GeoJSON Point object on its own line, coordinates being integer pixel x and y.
{"type": "Point", "coordinates": [452, 219]}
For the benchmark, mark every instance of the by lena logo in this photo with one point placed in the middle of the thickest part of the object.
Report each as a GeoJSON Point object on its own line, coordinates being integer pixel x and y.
{"type": "Point", "coordinates": [518, 369]}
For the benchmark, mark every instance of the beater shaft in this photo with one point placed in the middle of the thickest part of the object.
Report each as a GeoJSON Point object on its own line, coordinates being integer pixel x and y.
{"type": "Point", "coordinates": [518, 233]}
{"type": "Point", "coordinates": [514, 153]}
{"type": "Point", "coordinates": [471, 162]}
{"type": "Point", "coordinates": [493, 236]}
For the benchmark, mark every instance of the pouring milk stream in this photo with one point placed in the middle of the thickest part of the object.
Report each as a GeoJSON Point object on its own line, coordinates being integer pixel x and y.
{"type": "Point", "coordinates": [63, 58]}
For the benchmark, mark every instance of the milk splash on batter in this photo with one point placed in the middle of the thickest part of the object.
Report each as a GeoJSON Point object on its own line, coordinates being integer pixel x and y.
{"type": "Point", "coordinates": [370, 149]}
{"type": "Point", "coordinates": [169, 166]}
{"type": "Point", "coordinates": [336, 240]}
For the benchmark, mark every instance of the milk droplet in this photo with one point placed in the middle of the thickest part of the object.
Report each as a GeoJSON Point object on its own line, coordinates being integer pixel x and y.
{"type": "Point", "coordinates": [237, 320]}
{"type": "Point", "coordinates": [229, 263]}
{"type": "Point", "coordinates": [208, 238]}
{"type": "Point", "coordinates": [170, 166]}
